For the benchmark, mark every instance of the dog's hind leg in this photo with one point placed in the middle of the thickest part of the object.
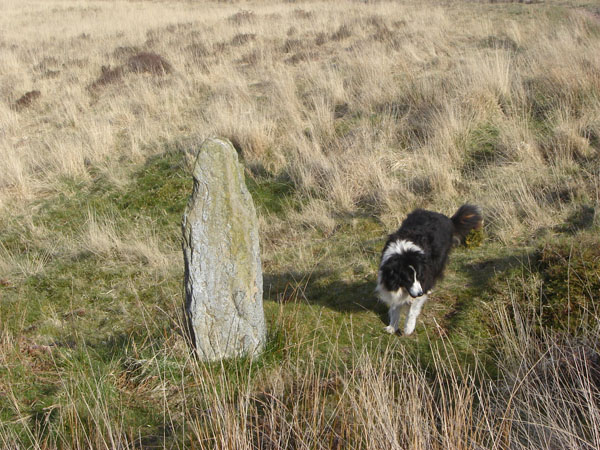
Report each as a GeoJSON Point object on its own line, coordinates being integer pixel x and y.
{"type": "Point", "coordinates": [413, 313]}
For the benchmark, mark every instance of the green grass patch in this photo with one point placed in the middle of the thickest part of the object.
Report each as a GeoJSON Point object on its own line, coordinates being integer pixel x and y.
{"type": "Point", "coordinates": [270, 195]}
{"type": "Point", "coordinates": [475, 238]}
{"type": "Point", "coordinates": [570, 269]}
{"type": "Point", "coordinates": [157, 194]}
{"type": "Point", "coordinates": [482, 148]}
{"type": "Point", "coordinates": [159, 190]}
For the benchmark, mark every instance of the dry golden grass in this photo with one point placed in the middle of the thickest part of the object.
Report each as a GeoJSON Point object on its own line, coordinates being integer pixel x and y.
{"type": "Point", "coordinates": [368, 106]}
{"type": "Point", "coordinates": [140, 246]}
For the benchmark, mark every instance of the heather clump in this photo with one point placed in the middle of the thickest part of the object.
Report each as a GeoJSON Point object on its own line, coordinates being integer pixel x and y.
{"type": "Point", "coordinates": [147, 62]}
{"type": "Point", "coordinates": [26, 100]}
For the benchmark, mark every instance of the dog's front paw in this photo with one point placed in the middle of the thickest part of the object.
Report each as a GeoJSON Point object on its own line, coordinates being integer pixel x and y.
{"type": "Point", "coordinates": [390, 329]}
{"type": "Point", "coordinates": [408, 330]}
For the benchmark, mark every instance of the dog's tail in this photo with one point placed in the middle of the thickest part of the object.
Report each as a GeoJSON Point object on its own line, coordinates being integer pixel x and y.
{"type": "Point", "coordinates": [467, 218]}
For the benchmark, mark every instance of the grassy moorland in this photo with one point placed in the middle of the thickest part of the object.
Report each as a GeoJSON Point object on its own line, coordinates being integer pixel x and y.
{"type": "Point", "coordinates": [347, 115]}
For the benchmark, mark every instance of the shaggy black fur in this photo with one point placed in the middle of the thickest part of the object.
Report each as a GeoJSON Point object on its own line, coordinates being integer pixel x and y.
{"type": "Point", "coordinates": [434, 234]}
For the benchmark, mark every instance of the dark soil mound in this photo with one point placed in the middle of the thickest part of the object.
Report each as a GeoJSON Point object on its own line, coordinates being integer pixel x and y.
{"type": "Point", "coordinates": [149, 63]}
{"type": "Point", "coordinates": [26, 100]}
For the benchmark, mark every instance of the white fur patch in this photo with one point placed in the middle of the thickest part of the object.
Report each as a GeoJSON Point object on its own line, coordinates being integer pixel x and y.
{"type": "Point", "coordinates": [391, 298]}
{"type": "Point", "coordinates": [398, 248]}
{"type": "Point", "coordinates": [415, 290]}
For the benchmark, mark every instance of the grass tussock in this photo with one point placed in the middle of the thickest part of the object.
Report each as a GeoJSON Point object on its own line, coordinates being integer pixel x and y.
{"type": "Point", "coordinates": [346, 116]}
{"type": "Point", "coordinates": [571, 272]}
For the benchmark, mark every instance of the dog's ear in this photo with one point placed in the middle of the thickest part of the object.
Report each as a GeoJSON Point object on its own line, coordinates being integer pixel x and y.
{"type": "Point", "coordinates": [391, 276]}
{"type": "Point", "coordinates": [425, 275]}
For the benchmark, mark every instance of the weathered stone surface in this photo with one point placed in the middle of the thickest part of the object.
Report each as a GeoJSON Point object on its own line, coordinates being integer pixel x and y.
{"type": "Point", "coordinates": [223, 275]}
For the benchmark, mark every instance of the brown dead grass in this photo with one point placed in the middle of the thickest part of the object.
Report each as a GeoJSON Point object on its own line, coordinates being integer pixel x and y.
{"type": "Point", "coordinates": [343, 32]}
{"type": "Point", "coordinates": [123, 51]}
{"type": "Point", "coordinates": [243, 38]}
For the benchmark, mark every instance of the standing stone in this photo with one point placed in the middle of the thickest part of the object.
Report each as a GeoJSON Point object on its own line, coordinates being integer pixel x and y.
{"type": "Point", "coordinates": [223, 275]}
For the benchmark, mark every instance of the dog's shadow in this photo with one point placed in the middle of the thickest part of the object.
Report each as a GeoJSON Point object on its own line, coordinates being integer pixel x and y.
{"type": "Point", "coordinates": [323, 289]}
{"type": "Point", "coordinates": [482, 273]}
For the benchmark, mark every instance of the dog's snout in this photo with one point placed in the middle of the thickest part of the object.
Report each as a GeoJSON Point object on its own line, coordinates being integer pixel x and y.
{"type": "Point", "coordinates": [414, 293]}
{"type": "Point", "coordinates": [416, 290]}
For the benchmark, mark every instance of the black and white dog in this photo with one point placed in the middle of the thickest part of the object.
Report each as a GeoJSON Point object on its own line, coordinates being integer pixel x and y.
{"type": "Point", "coordinates": [414, 258]}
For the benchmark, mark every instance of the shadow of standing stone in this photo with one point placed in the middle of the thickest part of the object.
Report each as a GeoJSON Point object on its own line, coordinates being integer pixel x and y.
{"type": "Point", "coordinates": [223, 275]}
